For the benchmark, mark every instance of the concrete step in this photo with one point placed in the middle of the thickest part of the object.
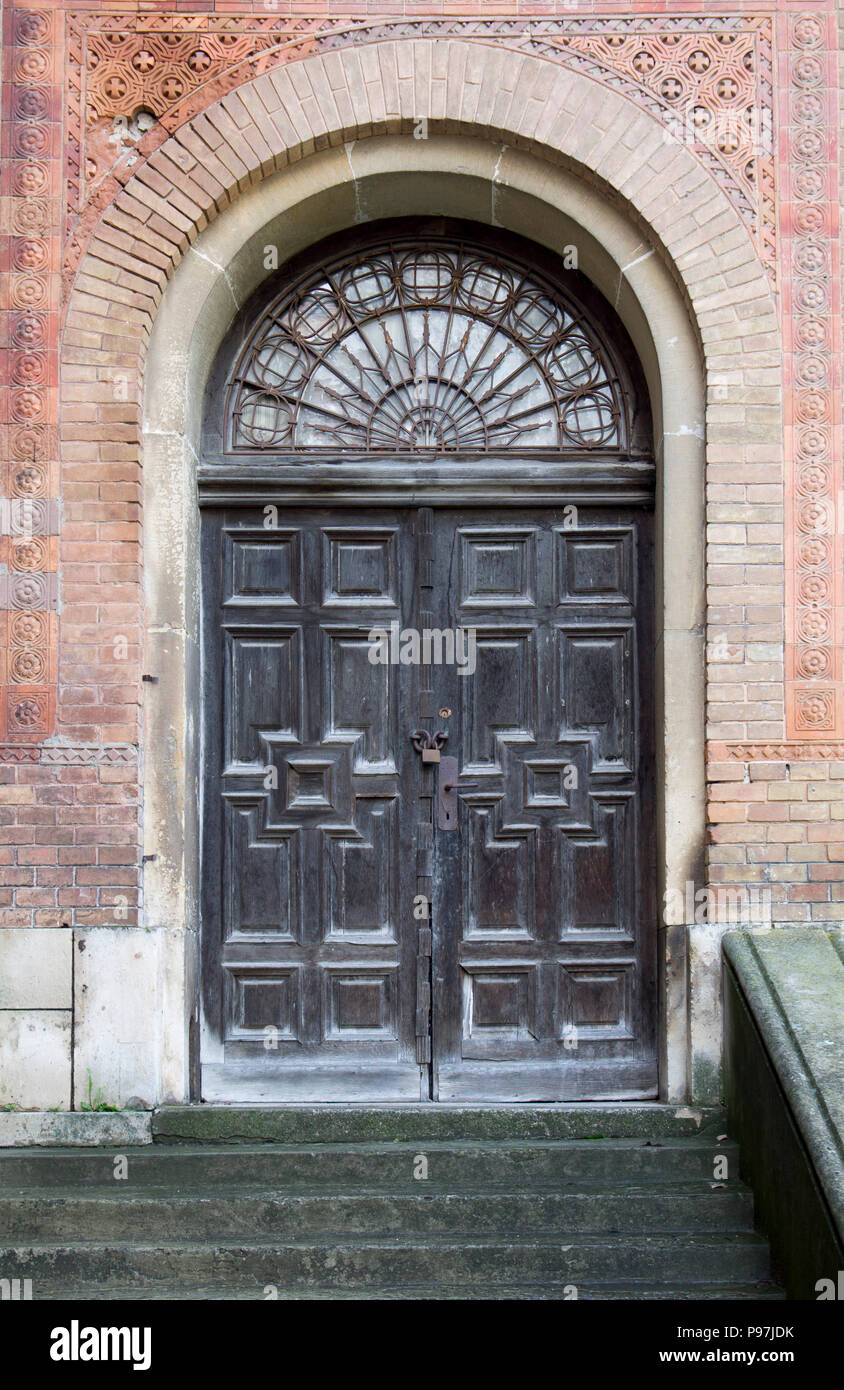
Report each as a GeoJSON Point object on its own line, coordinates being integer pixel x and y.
{"type": "Point", "coordinates": [355, 1124]}
{"type": "Point", "coordinates": [170, 1292]}
{"type": "Point", "coordinates": [463, 1165]}
{"type": "Point", "coordinates": [228, 1206]}
{"type": "Point", "coordinates": [109, 1213]}
{"type": "Point", "coordinates": [366, 1262]}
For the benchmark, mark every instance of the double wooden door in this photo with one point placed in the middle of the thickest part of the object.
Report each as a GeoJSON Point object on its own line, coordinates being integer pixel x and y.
{"type": "Point", "coordinates": [427, 854]}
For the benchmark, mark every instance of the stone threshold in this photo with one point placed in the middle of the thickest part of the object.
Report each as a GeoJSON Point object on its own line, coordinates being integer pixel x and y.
{"type": "Point", "coordinates": [360, 1123]}
{"type": "Point", "coordinates": [349, 1124]}
{"type": "Point", "coordinates": [74, 1128]}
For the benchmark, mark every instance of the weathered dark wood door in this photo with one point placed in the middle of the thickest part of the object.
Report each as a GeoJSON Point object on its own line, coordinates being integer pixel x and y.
{"type": "Point", "coordinates": [543, 909]}
{"type": "Point", "coordinates": [533, 976]}
{"type": "Point", "coordinates": [427, 426]}
{"type": "Point", "coordinates": [309, 970]}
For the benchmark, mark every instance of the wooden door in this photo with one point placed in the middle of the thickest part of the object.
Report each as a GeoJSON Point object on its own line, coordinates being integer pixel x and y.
{"type": "Point", "coordinates": [443, 391]}
{"type": "Point", "coordinates": [544, 924]}
{"type": "Point", "coordinates": [309, 941]}
{"type": "Point", "coordinates": [534, 976]}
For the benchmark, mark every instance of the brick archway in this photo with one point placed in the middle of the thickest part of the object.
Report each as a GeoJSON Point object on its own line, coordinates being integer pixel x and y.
{"type": "Point", "coordinates": [265, 166]}
{"type": "Point", "coordinates": [392, 88]}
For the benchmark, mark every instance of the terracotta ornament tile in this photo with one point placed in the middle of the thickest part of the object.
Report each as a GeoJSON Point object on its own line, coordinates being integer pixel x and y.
{"type": "Point", "coordinates": [32, 179]}
{"type": "Point", "coordinates": [812, 324]}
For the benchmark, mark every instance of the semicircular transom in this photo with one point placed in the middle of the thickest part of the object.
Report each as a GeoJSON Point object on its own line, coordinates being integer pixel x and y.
{"type": "Point", "coordinates": [435, 344]}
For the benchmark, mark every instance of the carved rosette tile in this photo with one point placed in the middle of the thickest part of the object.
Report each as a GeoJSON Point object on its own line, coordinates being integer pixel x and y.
{"type": "Point", "coordinates": [28, 432]}
{"type": "Point", "coordinates": [707, 78]}
{"type": "Point", "coordinates": [711, 85]}
{"type": "Point", "coordinates": [813, 422]}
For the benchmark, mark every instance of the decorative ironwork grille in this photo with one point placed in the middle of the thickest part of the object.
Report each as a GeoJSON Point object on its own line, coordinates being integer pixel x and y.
{"type": "Point", "coordinates": [440, 346]}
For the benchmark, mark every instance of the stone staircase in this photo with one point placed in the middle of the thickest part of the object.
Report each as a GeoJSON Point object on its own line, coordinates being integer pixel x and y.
{"type": "Point", "coordinates": [538, 1202]}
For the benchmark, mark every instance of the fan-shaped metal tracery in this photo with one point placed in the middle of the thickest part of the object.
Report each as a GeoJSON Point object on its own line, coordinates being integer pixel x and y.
{"type": "Point", "coordinates": [437, 346]}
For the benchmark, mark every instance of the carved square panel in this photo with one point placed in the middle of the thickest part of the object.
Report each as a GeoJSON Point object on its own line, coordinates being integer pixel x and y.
{"type": "Point", "coordinates": [310, 783]}
{"type": "Point", "coordinates": [264, 1003]}
{"type": "Point", "coordinates": [596, 1001]}
{"type": "Point", "coordinates": [360, 568]}
{"type": "Point", "coordinates": [499, 1002]}
{"type": "Point", "coordinates": [597, 895]}
{"type": "Point", "coordinates": [502, 695]}
{"type": "Point", "coordinates": [497, 568]}
{"type": "Point", "coordinates": [545, 783]}
{"type": "Point", "coordinates": [262, 692]}
{"type": "Point", "coordinates": [261, 877]}
{"type": "Point", "coordinates": [262, 567]}
{"type": "Point", "coordinates": [360, 1003]}
{"type": "Point", "coordinates": [595, 566]}
{"type": "Point", "coordinates": [306, 787]}
{"type": "Point", "coordinates": [597, 693]}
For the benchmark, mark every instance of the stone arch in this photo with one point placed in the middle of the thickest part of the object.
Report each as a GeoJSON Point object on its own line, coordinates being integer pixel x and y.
{"type": "Point", "coordinates": [318, 146]}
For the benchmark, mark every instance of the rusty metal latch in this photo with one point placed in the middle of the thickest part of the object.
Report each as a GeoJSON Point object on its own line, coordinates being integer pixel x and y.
{"type": "Point", "coordinates": [428, 745]}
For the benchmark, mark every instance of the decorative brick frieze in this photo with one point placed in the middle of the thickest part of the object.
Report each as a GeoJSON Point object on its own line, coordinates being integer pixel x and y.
{"type": "Point", "coordinates": [777, 752]}
{"type": "Point", "coordinates": [708, 78]}
{"type": "Point", "coordinates": [68, 755]}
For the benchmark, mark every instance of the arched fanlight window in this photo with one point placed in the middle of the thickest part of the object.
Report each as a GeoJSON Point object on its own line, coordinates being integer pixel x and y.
{"type": "Point", "coordinates": [425, 345]}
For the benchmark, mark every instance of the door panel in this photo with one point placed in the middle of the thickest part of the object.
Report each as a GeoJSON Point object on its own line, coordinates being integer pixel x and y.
{"type": "Point", "coordinates": [543, 912]}
{"type": "Point", "coordinates": [318, 812]}
{"type": "Point", "coordinates": [309, 961]}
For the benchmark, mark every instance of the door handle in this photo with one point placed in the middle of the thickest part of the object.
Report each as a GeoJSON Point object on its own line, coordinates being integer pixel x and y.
{"type": "Point", "coordinates": [448, 787]}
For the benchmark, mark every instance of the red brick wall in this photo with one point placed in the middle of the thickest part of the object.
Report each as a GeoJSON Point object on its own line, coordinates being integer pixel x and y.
{"type": "Point", "coordinates": [72, 610]}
